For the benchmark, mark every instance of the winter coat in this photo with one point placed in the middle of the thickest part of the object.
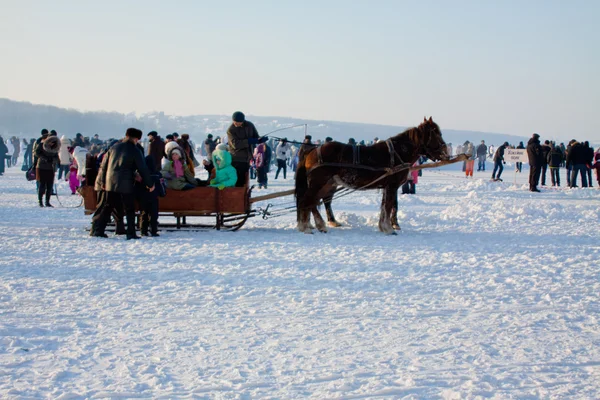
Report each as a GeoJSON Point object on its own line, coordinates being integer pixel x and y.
{"type": "Point", "coordinates": [481, 150]}
{"type": "Point", "coordinates": [157, 151]}
{"type": "Point", "coordinates": [119, 166]}
{"type": "Point", "coordinates": [10, 148]}
{"type": "Point", "coordinates": [63, 154]}
{"type": "Point", "coordinates": [209, 147]}
{"type": "Point", "coordinates": [534, 152]}
{"type": "Point", "coordinates": [80, 154]}
{"type": "Point", "coordinates": [174, 182]}
{"type": "Point", "coordinates": [577, 154]}
{"type": "Point", "coordinates": [554, 157]}
{"type": "Point", "coordinates": [225, 174]}
{"type": "Point", "coordinates": [545, 151]}
{"type": "Point", "coordinates": [283, 151]}
{"type": "Point", "coordinates": [3, 149]}
{"type": "Point", "coordinates": [499, 156]}
{"type": "Point", "coordinates": [240, 149]}
{"type": "Point", "coordinates": [470, 151]}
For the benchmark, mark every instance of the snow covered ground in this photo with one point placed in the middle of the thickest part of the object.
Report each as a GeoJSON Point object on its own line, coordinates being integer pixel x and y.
{"type": "Point", "coordinates": [489, 291]}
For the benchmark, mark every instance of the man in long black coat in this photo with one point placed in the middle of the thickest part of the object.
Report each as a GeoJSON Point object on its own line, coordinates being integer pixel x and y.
{"type": "Point", "coordinates": [242, 136]}
{"type": "Point", "coordinates": [117, 178]}
{"type": "Point", "coordinates": [534, 152]}
{"type": "Point", "coordinates": [156, 150]}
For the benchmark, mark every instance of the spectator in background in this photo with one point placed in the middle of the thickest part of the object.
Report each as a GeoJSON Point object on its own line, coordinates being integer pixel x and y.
{"type": "Point", "coordinates": [209, 146]}
{"type": "Point", "coordinates": [545, 151]}
{"type": "Point", "coordinates": [65, 157]}
{"type": "Point", "coordinates": [577, 159]}
{"type": "Point", "coordinates": [96, 140]}
{"type": "Point", "coordinates": [481, 156]}
{"type": "Point", "coordinates": [28, 156]}
{"type": "Point", "coordinates": [283, 152]}
{"type": "Point", "coordinates": [47, 162]}
{"type": "Point", "coordinates": [590, 160]}
{"type": "Point", "coordinates": [568, 165]}
{"type": "Point", "coordinates": [470, 163]}
{"type": "Point", "coordinates": [156, 150]}
{"type": "Point", "coordinates": [534, 152]}
{"type": "Point", "coordinates": [555, 160]}
{"type": "Point", "coordinates": [9, 153]}
{"type": "Point", "coordinates": [17, 149]}
{"type": "Point", "coordinates": [596, 165]}
{"type": "Point", "coordinates": [3, 152]}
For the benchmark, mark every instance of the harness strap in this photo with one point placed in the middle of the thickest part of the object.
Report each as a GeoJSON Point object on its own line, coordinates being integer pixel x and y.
{"type": "Point", "coordinates": [319, 157]}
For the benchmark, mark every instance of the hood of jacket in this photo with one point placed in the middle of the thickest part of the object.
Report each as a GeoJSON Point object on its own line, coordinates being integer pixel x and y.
{"type": "Point", "coordinates": [64, 141]}
{"type": "Point", "coordinates": [52, 145]}
{"type": "Point", "coordinates": [221, 154]}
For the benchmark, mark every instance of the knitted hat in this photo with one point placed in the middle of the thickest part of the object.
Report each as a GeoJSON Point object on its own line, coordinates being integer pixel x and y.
{"type": "Point", "coordinates": [175, 151]}
{"type": "Point", "coordinates": [53, 133]}
{"type": "Point", "coordinates": [238, 116]}
{"type": "Point", "coordinates": [44, 132]}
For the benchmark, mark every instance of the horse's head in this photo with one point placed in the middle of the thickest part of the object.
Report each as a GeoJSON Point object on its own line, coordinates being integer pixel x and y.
{"type": "Point", "coordinates": [432, 144]}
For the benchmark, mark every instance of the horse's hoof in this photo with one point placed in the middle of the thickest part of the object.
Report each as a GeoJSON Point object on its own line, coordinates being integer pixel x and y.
{"type": "Point", "coordinates": [308, 232]}
{"type": "Point", "coordinates": [334, 224]}
{"type": "Point", "coordinates": [396, 227]}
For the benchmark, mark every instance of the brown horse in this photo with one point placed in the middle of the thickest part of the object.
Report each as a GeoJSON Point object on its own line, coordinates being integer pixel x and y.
{"type": "Point", "coordinates": [335, 164]}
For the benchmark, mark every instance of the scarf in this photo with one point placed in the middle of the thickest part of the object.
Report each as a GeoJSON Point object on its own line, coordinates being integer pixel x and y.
{"type": "Point", "coordinates": [178, 165]}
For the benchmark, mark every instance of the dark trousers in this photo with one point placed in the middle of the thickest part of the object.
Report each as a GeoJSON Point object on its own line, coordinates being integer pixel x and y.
{"type": "Point", "coordinates": [45, 179]}
{"type": "Point", "coordinates": [409, 187]}
{"type": "Point", "coordinates": [117, 214]}
{"type": "Point", "coordinates": [534, 176]}
{"type": "Point", "coordinates": [28, 158]}
{"type": "Point", "coordinates": [519, 166]}
{"type": "Point", "coordinates": [115, 201]}
{"type": "Point", "coordinates": [261, 173]}
{"type": "Point", "coordinates": [281, 165]}
{"type": "Point", "coordinates": [241, 168]}
{"type": "Point", "coordinates": [497, 167]}
{"type": "Point", "coordinates": [1, 164]}
{"type": "Point", "coordinates": [569, 171]}
{"type": "Point", "coordinates": [543, 174]}
{"type": "Point", "coordinates": [149, 217]}
{"type": "Point", "coordinates": [554, 176]}
{"type": "Point", "coordinates": [589, 176]}
{"type": "Point", "coordinates": [581, 168]}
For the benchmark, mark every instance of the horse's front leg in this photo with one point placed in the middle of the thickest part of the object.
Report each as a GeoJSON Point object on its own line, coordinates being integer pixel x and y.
{"type": "Point", "coordinates": [329, 212]}
{"type": "Point", "coordinates": [395, 223]}
{"type": "Point", "coordinates": [387, 203]}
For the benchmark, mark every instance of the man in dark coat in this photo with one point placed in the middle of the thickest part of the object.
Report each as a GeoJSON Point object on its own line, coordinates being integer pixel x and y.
{"type": "Point", "coordinates": [545, 151]}
{"type": "Point", "coordinates": [534, 152]}
{"type": "Point", "coordinates": [499, 161]}
{"type": "Point", "coordinates": [3, 151]}
{"type": "Point", "coordinates": [576, 159]}
{"type": "Point", "coordinates": [209, 146]}
{"type": "Point", "coordinates": [117, 178]}
{"type": "Point", "coordinates": [307, 146]}
{"type": "Point", "coordinates": [589, 162]}
{"type": "Point", "coordinates": [555, 159]}
{"type": "Point", "coordinates": [242, 135]}
{"type": "Point", "coordinates": [481, 156]}
{"type": "Point", "coordinates": [156, 150]}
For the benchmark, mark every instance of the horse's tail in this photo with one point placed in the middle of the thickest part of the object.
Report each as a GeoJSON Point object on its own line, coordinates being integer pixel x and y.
{"type": "Point", "coordinates": [301, 183]}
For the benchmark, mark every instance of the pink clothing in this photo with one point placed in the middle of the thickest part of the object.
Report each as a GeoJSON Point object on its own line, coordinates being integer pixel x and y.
{"type": "Point", "coordinates": [178, 166]}
{"type": "Point", "coordinates": [73, 180]}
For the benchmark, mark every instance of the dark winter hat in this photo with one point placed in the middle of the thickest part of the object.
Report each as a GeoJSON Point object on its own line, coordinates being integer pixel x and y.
{"type": "Point", "coordinates": [175, 134]}
{"type": "Point", "coordinates": [53, 133]}
{"type": "Point", "coordinates": [153, 133]}
{"type": "Point", "coordinates": [536, 136]}
{"type": "Point", "coordinates": [328, 139]}
{"type": "Point", "coordinates": [170, 137]}
{"type": "Point", "coordinates": [238, 116]}
{"type": "Point", "coordinates": [133, 133]}
{"type": "Point", "coordinates": [506, 143]}
{"type": "Point", "coordinates": [547, 142]}
{"type": "Point", "coordinates": [185, 136]}
{"type": "Point", "coordinates": [210, 136]}
{"type": "Point", "coordinates": [308, 137]}
{"type": "Point", "coordinates": [44, 132]}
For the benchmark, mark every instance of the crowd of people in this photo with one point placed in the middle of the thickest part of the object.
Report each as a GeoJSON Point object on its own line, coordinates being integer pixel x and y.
{"type": "Point", "coordinates": [577, 158]}
{"type": "Point", "coordinates": [133, 169]}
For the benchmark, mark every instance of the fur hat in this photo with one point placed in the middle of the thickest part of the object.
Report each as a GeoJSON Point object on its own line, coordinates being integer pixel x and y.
{"type": "Point", "coordinates": [153, 133]}
{"type": "Point", "coordinates": [52, 144]}
{"type": "Point", "coordinates": [222, 146]}
{"type": "Point", "coordinates": [133, 133]}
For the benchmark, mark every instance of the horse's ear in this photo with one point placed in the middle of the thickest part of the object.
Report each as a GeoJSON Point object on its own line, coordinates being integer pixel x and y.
{"type": "Point", "coordinates": [430, 119]}
{"type": "Point", "coordinates": [424, 119]}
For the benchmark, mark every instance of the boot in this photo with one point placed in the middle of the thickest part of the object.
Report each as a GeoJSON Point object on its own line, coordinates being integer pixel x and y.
{"type": "Point", "coordinates": [40, 195]}
{"type": "Point", "coordinates": [48, 200]}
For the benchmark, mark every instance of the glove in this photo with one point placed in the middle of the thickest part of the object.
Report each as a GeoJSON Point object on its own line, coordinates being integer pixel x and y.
{"type": "Point", "coordinates": [252, 140]}
{"type": "Point", "coordinates": [221, 187]}
{"type": "Point", "coordinates": [504, 162]}
{"type": "Point", "coordinates": [213, 181]}
{"type": "Point", "coordinates": [263, 139]}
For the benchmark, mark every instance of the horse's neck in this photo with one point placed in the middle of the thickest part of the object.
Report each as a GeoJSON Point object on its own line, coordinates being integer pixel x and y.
{"type": "Point", "coordinates": [406, 148]}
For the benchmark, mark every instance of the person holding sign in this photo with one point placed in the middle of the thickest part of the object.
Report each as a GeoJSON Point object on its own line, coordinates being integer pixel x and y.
{"type": "Point", "coordinates": [498, 162]}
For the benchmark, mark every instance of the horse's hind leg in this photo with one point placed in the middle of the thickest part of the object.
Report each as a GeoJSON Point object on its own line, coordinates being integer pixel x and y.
{"type": "Point", "coordinates": [387, 202]}
{"type": "Point", "coordinates": [329, 212]}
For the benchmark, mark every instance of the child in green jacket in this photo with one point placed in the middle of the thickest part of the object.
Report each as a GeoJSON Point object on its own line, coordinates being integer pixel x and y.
{"type": "Point", "coordinates": [225, 175]}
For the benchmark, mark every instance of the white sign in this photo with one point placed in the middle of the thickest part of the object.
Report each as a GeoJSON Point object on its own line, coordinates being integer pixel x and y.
{"type": "Point", "coordinates": [516, 155]}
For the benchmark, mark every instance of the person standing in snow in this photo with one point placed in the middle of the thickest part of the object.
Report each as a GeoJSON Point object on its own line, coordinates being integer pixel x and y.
{"type": "Point", "coordinates": [117, 177]}
{"type": "Point", "coordinates": [555, 159]}
{"type": "Point", "coordinates": [519, 165]}
{"type": "Point", "coordinates": [534, 152]}
{"type": "Point", "coordinates": [481, 156]}
{"type": "Point", "coordinates": [65, 157]}
{"type": "Point", "coordinates": [47, 161]}
{"type": "Point", "coordinates": [156, 150]}
{"type": "Point", "coordinates": [3, 152]}
{"type": "Point", "coordinates": [545, 151]}
{"type": "Point", "coordinates": [282, 152]}
{"type": "Point", "coordinates": [499, 161]}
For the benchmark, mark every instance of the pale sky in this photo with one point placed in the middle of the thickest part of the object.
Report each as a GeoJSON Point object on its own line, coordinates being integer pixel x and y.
{"type": "Point", "coordinates": [514, 67]}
